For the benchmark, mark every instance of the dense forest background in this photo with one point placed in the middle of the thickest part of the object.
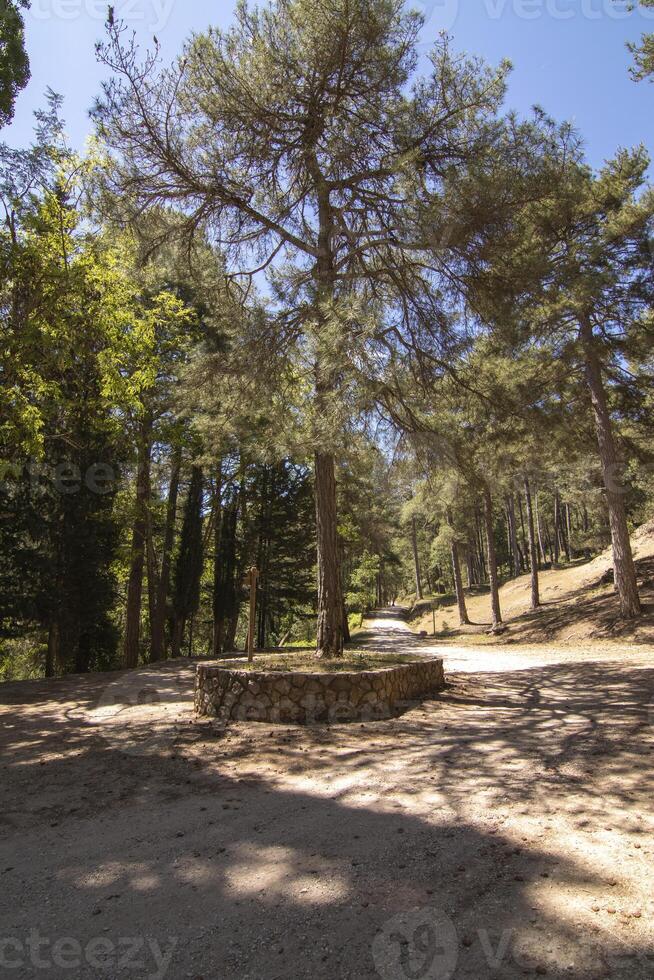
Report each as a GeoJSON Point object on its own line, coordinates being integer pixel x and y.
{"type": "Point", "coordinates": [468, 345]}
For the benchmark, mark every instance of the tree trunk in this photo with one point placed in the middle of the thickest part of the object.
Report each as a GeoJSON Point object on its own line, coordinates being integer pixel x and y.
{"type": "Point", "coordinates": [190, 635]}
{"type": "Point", "coordinates": [492, 559]}
{"type": "Point", "coordinates": [231, 628]}
{"type": "Point", "coordinates": [523, 537]}
{"type": "Point", "coordinates": [513, 534]}
{"type": "Point", "coordinates": [158, 631]}
{"type": "Point", "coordinates": [464, 619]}
{"type": "Point", "coordinates": [330, 637]}
{"type": "Point", "coordinates": [139, 530]}
{"type": "Point", "coordinates": [346, 626]}
{"type": "Point", "coordinates": [470, 567]}
{"type": "Point", "coordinates": [189, 566]}
{"type": "Point", "coordinates": [416, 558]}
{"type": "Point", "coordinates": [225, 585]}
{"type": "Point", "coordinates": [179, 623]}
{"type": "Point", "coordinates": [568, 532]}
{"type": "Point", "coordinates": [53, 651]}
{"type": "Point", "coordinates": [549, 542]}
{"type": "Point", "coordinates": [480, 547]}
{"type": "Point", "coordinates": [539, 529]}
{"type": "Point", "coordinates": [623, 562]}
{"type": "Point", "coordinates": [533, 553]}
{"type": "Point", "coordinates": [557, 527]}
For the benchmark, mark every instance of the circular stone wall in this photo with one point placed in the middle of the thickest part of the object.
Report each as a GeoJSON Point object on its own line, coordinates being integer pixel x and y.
{"type": "Point", "coordinates": [225, 692]}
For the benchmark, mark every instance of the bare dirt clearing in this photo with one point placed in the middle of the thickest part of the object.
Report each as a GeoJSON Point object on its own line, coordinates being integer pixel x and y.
{"type": "Point", "coordinates": [518, 803]}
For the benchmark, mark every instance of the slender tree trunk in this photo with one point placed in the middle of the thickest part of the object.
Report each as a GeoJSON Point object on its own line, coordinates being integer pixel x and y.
{"type": "Point", "coordinates": [189, 566]}
{"type": "Point", "coordinates": [480, 548]}
{"type": "Point", "coordinates": [190, 634]}
{"type": "Point", "coordinates": [533, 553]}
{"type": "Point", "coordinates": [153, 574]}
{"type": "Point", "coordinates": [179, 624]}
{"type": "Point", "coordinates": [541, 545]}
{"type": "Point", "coordinates": [346, 626]}
{"type": "Point", "coordinates": [231, 628]}
{"type": "Point", "coordinates": [469, 567]}
{"type": "Point", "coordinates": [225, 585]}
{"type": "Point", "coordinates": [158, 639]}
{"type": "Point", "coordinates": [513, 534]}
{"type": "Point", "coordinates": [525, 546]}
{"type": "Point", "coordinates": [330, 594]}
{"type": "Point", "coordinates": [549, 541]}
{"type": "Point", "coordinates": [557, 527]}
{"type": "Point", "coordinates": [568, 532]}
{"type": "Point", "coordinates": [53, 651]}
{"type": "Point", "coordinates": [416, 558]}
{"type": "Point", "coordinates": [139, 531]}
{"type": "Point", "coordinates": [623, 562]}
{"type": "Point", "coordinates": [492, 559]}
{"type": "Point", "coordinates": [464, 619]}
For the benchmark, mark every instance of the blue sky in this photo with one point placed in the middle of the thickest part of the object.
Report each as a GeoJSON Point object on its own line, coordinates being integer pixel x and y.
{"type": "Point", "coordinates": [569, 56]}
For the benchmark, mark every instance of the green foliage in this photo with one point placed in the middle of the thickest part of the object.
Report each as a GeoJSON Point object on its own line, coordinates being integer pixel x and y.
{"type": "Point", "coordinates": [430, 264]}
{"type": "Point", "coordinates": [363, 583]}
{"type": "Point", "coordinates": [644, 52]}
{"type": "Point", "coordinates": [14, 63]}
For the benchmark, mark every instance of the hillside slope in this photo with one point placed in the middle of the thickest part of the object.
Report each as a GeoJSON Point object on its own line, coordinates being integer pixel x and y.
{"type": "Point", "coordinates": [576, 605]}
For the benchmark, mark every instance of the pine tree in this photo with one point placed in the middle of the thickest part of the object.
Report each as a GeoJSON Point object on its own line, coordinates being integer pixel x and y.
{"type": "Point", "coordinates": [310, 103]}
{"type": "Point", "coordinates": [188, 567]}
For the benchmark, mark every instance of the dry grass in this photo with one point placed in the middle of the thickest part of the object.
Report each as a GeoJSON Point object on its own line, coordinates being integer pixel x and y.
{"type": "Point", "coordinates": [576, 607]}
{"type": "Point", "coordinates": [293, 662]}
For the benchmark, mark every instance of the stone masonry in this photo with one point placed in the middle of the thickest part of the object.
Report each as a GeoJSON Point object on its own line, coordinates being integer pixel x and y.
{"type": "Point", "coordinates": [225, 692]}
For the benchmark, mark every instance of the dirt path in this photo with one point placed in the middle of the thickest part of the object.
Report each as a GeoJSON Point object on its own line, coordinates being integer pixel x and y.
{"type": "Point", "coordinates": [502, 830]}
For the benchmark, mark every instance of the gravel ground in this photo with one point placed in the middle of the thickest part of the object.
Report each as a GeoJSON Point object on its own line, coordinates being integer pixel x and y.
{"type": "Point", "coordinates": [503, 829]}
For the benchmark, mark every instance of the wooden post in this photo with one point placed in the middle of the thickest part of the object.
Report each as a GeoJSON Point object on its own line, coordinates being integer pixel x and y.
{"type": "Point", "coordinates": [253, 576]}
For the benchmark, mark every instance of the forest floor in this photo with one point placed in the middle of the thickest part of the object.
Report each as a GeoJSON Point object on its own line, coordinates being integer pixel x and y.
{"type": "Point", "coordinates": [576, 605]}
{"type": "Point", "coordinates": [502, 829]}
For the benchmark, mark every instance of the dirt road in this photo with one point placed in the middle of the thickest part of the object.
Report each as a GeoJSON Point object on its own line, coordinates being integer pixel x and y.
{"type": "Point", "coordinates": [504, 829]}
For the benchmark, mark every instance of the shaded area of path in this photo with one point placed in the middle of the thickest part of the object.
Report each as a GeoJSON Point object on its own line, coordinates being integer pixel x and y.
{"type": "Point", "coordinates": [518, 803]}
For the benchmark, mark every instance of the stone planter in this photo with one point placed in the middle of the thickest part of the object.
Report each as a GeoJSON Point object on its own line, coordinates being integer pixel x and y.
{"type": "Point", "coordinates": [302, 698]}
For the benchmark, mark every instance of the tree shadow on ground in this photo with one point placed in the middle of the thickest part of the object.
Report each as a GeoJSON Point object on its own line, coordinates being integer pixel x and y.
{"type": "Point", "coordinates": [593, 604]}
{"type": "Point", "coordinates": [277, 852]}
{"type": "Point", "coordinates": [597, 604]}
